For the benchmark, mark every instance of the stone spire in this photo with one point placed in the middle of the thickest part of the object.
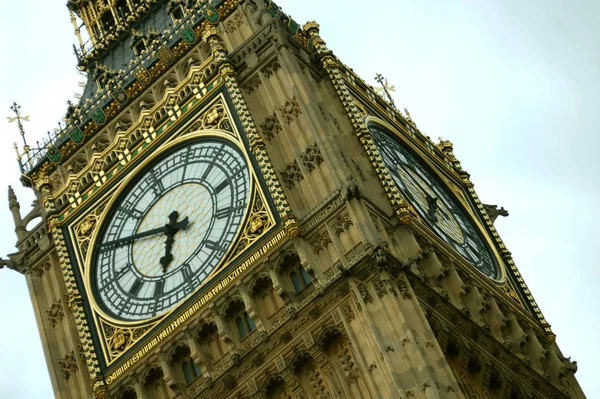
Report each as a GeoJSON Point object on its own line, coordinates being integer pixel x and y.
{"type": "Point", "coordinates": [15, 209]}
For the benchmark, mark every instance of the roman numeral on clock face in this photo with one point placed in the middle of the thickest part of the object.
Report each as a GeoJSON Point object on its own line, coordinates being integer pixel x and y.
{"type": "Point", "coordinates": [159, 287]}
{"type": "Point", "coordinates": [214, 246]}
{"type": "Point", "coordinates": [221, 186]}
{"type": "Point", "coordinates": [207, 182]}
{"type": "Point", "coordinates": [432, 199]}
{"type": "Point", "coordinates": [136, 287]}
{"type": "Point", "coordinates": [186, 271]}
{"type": "Point", "coordinates": [225, 212]}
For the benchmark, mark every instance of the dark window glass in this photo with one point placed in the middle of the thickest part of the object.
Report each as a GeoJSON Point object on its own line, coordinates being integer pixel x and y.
{"type": "Point", "coordinates": [241, 327]}
{"type": "Point", "coordinates": [187, 372]}
{"type": "Point", "coordinates": [298, 287]}
{"type": "Point", "coordinates": [249, 322]}
{"type": "Point", "coordinates": [139, 47]}
{"type": "Point", "coordinates": [305, 277]}
{"type": "Point", "coordinates": [177, 14]}
{"type": "Point", "coordinates": [196, 369]}
{"type": "Point", "coordinates": [122, 7]}
{"type": "Point", "coordinates": [108, 22]}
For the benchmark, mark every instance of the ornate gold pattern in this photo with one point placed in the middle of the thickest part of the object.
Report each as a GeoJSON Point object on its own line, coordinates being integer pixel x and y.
{"type": "Point", "coordinates": [331, 66]}
{"type": "Point", "coordinates": [259, 221]}
{"type": "Point", "coordinates": [85, 229]}
{"type": "Point", "coordinates": [132, 143]}
{"type": "Point", "coordinates": [118, 338]}
{"type": "Point", "coordinates": [215, 118]}
{"type": "Point", "coordinates": [75, 302]}
{"type": "Point", "coordinates": [443, 152]}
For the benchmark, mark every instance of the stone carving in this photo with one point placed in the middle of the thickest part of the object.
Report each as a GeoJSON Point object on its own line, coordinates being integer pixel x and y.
{"type": "Point", "coordinates": [234, 22]}
{"type": "Point", "coordinates": [320, 241]}
{"type": "Point", "coordinates": [380, 288]}
{"type": "Point", "coordinates": [364, 293]}
{"type": "Point", "coordinates": [404, 287]}
{"type": "Point", "coordinates": [291, 174]}
{"type": "Point", "coordinates": [68, 365]}
{"type": "Point", "coordinates": [271, 127]}
{"type": "Point", "coordinates": [342, 224]}
{"type": "Point", "coordinates": [290, 110]}
{"type": "Point", "coordinates": [40, 268]}
{"type": "Point", "coordinates": [55, 313]}
{"type": "Point", "coordinates": [312, 157]}
{"type": "Point", "coordinates": [493, 212]}
{"type": "Point", "coordinates": [348, 312]}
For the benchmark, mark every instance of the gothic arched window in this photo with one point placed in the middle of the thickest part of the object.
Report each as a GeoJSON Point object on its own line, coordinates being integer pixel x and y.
{"type": "Point", "coordinates": [245, 325]}
{"type": "Point", "coordinates": [190, 370]}
{"type": "Point", "coordinates": [300, 279]}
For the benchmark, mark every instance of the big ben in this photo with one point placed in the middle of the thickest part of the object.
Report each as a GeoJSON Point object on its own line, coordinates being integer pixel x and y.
{"type": "Point", "coordinates": [231, 212]}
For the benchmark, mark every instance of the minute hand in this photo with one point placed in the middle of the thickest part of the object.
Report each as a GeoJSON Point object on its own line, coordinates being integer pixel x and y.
{"type": "Point", "coordinates": [124, 240]}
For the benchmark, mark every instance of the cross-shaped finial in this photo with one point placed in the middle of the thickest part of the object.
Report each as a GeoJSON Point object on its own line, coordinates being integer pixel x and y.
{"type": "Point", "coordinates": [16, 108]}
{"type": "Point", "coordinates": [385, 89]}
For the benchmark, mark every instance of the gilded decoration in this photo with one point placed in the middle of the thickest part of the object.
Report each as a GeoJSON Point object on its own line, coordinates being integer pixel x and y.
{"type": "Point", "coordinates": [85, 229]}
{"type": "Point", "coordinates": [259, 221]}
{"type": "Point", "coordinates": [118, 338]}
{"type": "Point", "coordinates": [138, 139]}
{"type": "Point", "coordinates": [214, 118]}
{"type": "Point", "coordinates": [356, 111]}
{"type": "Point", "coordinates": [130, 142]}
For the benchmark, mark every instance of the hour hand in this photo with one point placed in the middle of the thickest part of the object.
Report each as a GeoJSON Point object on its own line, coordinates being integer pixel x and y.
{"type": "Point", "coordinates": [433, 206]}
{"type": "Point", "coordinates": [171, 229]}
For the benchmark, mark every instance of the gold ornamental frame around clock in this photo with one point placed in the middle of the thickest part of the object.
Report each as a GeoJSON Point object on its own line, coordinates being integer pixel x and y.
{"type": "Point", "coordinates": [117, 337]}
{"type": "Point", "coordinates": [453, 187]}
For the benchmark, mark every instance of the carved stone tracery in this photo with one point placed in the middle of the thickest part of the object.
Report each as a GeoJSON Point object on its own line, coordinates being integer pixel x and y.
{"type": "Point", "coordinates": [68, 365]}
{"type": "Point", "coordinates": [55, 314]}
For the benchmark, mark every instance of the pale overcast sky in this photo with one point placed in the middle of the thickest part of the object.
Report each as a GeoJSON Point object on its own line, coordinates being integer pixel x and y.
{"type": "Point", "coordinates": [514, 84]}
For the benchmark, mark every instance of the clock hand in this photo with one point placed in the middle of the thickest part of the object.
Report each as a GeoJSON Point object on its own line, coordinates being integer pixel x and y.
{"type": "Point", "coordinates": [171, 229]}
{"type": "Point", "coordinates": [121, 241]}
{"type": "Point", "coordinates": [433, 206]}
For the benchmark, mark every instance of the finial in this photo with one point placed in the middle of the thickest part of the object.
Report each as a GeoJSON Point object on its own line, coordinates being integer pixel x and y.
{"type": "Point", "coordinates": [16, 108]}
{"type": "Point", "coordinates": [77, 33]}
{"type": "Point", "coordinates": [12, 198]}
{"type": "Point", "coordinates": [17, 150]}
{"type": "Point", "coordinates": [446, 146]}
{"type": "Point", "coordinates": [385, 89]}
{"type": "Point", "coordinates": [312, 25]}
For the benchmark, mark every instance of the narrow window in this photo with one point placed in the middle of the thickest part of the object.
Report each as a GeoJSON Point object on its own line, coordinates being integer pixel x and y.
{"type": "Point", "coordinates": [187, 372]}
{"type": "Point", "coordinates": [305, 277]}
{"type": "Point", "coordinates": [298, 287]}
{"type": "Point", "coordinates": [196, 369]}
{"type": "Point", "coordinates": [241, 327]}
{"type": "Point", "coordinates": [249, 322]}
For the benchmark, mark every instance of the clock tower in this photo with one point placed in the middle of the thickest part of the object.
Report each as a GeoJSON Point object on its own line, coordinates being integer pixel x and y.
{"type": "Point", "coordinates": [231, 212]}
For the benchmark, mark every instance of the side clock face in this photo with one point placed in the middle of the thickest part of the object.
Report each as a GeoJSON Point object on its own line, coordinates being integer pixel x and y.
{"type": "Point", "coordinates": [170, 229]}
{"type": "Point", "coordinates": [434, 204]}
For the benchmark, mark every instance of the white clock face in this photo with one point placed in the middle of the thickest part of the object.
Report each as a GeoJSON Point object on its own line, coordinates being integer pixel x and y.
{"type": "Point", "coordinates": [170, 230]}
{"type": "Point", "coordinates": [434, 204]}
